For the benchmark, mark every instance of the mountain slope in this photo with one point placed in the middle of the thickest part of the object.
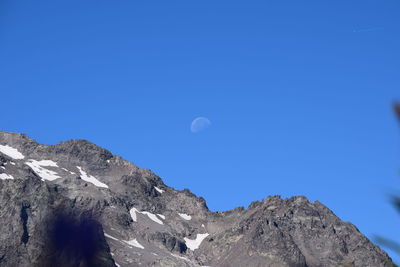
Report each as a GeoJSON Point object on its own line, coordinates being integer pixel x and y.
{"type": "Point", "coordinates": [76, 204]}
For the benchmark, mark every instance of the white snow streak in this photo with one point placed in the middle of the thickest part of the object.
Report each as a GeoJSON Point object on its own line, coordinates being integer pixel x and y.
{"type": "Point", "coordinates": [185, 216]}
{"type": "Point", "coordinates": [111, 237]}
{"type": "Point", "coordinates": [47, 163]}
{"type": "Point", "coordinates": [161, 216]}
{"type": "Point", "coordinates": [11, 152]}
{"type": "Point", "coordinates": [5, 176]}
{"type": "Point", "coordinates": [45, 174]}
{"type": "Point", "coordinates": [134, 243]}
{"type": "Point", "coordinates": [64, 169]}
{"type": "Point", "coordinates": [179, 257]}
{"type": "Point", "coordinates": [90, 178]}
{"type": "Point", "coordinates": [195, 244]}
{"type": "Point", "coordinates": [159, 190]}
{"type": "Point", "coordinates": [151, 216]}
{"type": "Point", "coordinates": [133, 211]}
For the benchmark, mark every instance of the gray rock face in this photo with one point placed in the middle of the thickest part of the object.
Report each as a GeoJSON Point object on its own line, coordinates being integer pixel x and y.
{"type": "Point", "coordinates": [76, 204]}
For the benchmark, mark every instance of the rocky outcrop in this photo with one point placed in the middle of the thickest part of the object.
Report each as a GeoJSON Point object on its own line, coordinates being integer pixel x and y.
{"type": "Point", "coordinates": [76, 204]}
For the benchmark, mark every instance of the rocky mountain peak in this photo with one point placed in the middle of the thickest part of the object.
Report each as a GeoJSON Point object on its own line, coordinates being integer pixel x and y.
{"type": "Point", "coordinates": [77, 204]}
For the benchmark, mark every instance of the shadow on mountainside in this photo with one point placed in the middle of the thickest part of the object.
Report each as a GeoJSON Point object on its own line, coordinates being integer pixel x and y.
{"type": "Point", "coordinates": [75, 240]}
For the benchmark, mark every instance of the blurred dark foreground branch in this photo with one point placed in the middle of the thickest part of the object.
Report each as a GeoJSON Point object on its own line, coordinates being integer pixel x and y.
{"type": "Point", "coordinates": [395, 200]}
{"type": "Point", "coordinates": [396, 108]}
{"type": "Point", "coordinates": [390, 244]}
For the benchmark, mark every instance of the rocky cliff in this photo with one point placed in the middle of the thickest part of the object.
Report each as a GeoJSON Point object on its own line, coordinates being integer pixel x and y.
{"type": "Point", "coordinates": [76, 204]}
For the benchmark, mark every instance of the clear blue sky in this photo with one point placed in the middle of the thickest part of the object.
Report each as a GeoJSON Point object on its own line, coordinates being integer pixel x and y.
{"type": "Point", "coordinates": [299, 94]}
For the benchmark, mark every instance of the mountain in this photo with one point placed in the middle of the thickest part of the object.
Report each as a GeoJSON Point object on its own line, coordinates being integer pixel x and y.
{"type": "Point", "coordinates": [77, 204]}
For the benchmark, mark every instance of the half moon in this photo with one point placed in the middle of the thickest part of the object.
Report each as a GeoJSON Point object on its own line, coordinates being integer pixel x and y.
{"type": "Point", "coordinates": [199, 124]}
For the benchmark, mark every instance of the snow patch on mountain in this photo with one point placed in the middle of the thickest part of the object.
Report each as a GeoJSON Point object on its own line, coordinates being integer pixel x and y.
{"type": "Point", "coordinates": [132, 212]}
{"type": "Point", "coordinates": [185, 216]}
{"type": "Point", "coordinates": [159, 190]}
{"type": "Point", "coordinates": [151, 216]}
{"type": "Point", "coordinates": [38, 168]}
{"type": "Point", "coordinates": [11, 152]}
{"type": "Point", "coordinates": [5, 176]}
{"type": "Point", "coordinates": [193, 244]}
{"type": "Point", "coordinates": [91, 179]}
